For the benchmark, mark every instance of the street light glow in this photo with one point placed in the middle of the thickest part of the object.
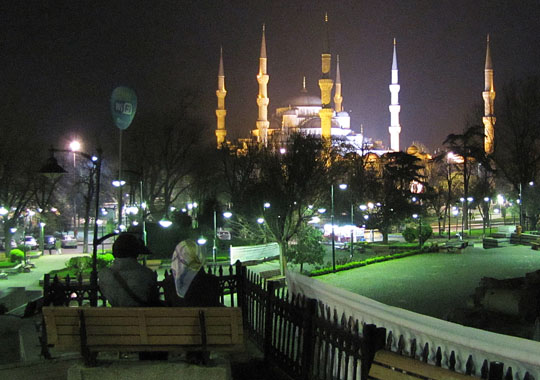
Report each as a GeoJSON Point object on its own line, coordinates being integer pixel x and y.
{"type": "Point", "coordinates": [75, 146]}
{"type": "Point", "coordinates": [227, 214]}
{"type": "Point", "coordinates": [260, 220]}
{"type": "Point", "coordinates": [343, 186]}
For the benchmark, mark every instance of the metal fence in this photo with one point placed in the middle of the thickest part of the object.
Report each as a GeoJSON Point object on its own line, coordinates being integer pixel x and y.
{"type": "Point", "coordinates": [302, 336]}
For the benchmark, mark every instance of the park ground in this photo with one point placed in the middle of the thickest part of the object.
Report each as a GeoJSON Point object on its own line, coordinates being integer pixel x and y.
{"type": "Point", "coordinates": [433, 284]}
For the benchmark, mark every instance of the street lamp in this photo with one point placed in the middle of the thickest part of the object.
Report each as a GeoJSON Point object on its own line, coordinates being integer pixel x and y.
{"type": "Point", "coordinates": [462, 200]}
{"type": "Point", "coordinates": [455, 212]}
{"type": "Point", "coordinates": [227, 215]}
{"type": "Point", "coordinates": [42, 237]}
{"type": "Point", "coordinates": [487, 200]}
{"type": "Point", "coordinates": [52, 169]}
{"type": "Point", "coordinates": [469, 212]}
{"type": "Point", "coordinates": [417, 216]}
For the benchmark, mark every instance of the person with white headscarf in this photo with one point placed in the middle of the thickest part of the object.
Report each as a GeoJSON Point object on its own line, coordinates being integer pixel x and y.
{"type": "Point", "coordinates": [193, 285]}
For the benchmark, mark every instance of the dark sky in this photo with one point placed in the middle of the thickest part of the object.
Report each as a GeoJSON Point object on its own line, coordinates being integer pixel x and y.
{"type": "Point", "coordinates": [62, 59]}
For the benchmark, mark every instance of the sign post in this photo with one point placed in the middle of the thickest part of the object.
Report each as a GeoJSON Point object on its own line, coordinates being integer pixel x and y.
{"type": "Point", "coordinates": [123, 108]}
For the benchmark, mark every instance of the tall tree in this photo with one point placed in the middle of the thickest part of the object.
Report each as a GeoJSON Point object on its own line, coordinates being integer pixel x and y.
{"type": "Point", "coordinates": [517, 137]}
{"type": "Point", "coordinates": [391, 187]}
{"type": "Point", "coordinates": [469, 146]}
{"type": "Point", "coordinates": [162, 150]}
{"type": "Point", "coordinates": [289, 182]}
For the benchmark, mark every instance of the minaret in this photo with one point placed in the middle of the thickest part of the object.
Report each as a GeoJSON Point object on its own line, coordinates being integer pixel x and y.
{"type": "Point", "coordinates": [262, 98]}
{"type": "Point", "coordinates": [326, 84]}
{"type": "Point", "coordinates": [221, 112]}
{"type": "Point", "coordinates": [489, 98]}
{"type": "Point", "coordinates": [338, 99]}
{"type": "Point", "coordinates": [395, 127]}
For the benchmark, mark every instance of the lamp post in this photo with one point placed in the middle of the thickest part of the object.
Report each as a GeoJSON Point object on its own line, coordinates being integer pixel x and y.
{"type": "Point", "coordinates": [227, 215]}
{"type": "Point", "coordinates": [469, 212]}
{"type": "Point", "coordinates": [455, 211]}
{"type": "Point", "coordinates": [486, 217]}
{"type": "Point", "coordinates": [462, 200]}
{"type": "Point", "coordinates": [52, 169]}
{"type": "Point", "coordinates": [42, 237]}
{"type": "Point", "coordinates": [417, 216]}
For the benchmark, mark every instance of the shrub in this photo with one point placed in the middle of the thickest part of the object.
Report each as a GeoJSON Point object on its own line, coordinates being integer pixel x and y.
{"type": "Point", "coordinates": [425, 232]}
{"type": "Point", "coordinates": [410, 234]}
{"type": "Point", "coordinates": [104, 261]}
{"type": "Point", "coordinates": [79, 264]}
{"type": "Point", "coordinates": [16, 255]}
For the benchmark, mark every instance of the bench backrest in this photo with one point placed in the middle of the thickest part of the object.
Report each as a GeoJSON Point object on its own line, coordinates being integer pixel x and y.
{"type": "Point", "coordinates": [390, 366]}
{"type": "Point", "coordinates": [134, 326]}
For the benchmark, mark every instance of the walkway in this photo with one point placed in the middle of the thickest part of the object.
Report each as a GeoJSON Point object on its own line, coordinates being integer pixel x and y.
{"type": "Point", "coordinates": [436, 283]}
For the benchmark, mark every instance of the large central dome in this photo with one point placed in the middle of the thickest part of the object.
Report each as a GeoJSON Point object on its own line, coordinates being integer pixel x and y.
{"type": "Point", "coordinates": [304, 99]}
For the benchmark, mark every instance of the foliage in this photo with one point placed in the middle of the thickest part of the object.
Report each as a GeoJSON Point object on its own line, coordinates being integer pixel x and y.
{"type": "Point", "coordinates": [425, 232]}
{"type": "Point", "coordinates": [104, 260]}
{"type": "Point", "coordinates": [391, 187]}
{"type": "Point", "coordinates": [410, 234]}
{"type": "Point", "coordinates": [290, 182]}
{"type": "Point", "coordinates": [7, 264]}
{"type": "Point", "coordinates": [79, 264]}
{"type": "Point", "coordinates": [469, 145]}
{"type": "Point", "coordinates": [358, 264]}
{"type": "Point", "coordinates": [307, 248]}
{"type": "Point", "coordinates": [16, 255]}
{"type": "Point", "coordinates": [517, 141]}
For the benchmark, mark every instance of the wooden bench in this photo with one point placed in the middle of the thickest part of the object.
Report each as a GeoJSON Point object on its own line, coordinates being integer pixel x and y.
{"type": "Point", "coordinates": [390, 366]}
{"type": "Point", "coordinates": [455, 246]}
{"type": "Point", "coordinates": [535, 245]}
{"type": "Point", "coordinates": [96, 329]}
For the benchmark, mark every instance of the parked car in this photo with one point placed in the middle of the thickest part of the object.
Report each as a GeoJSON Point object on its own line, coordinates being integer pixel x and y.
{"type": "Point", "coordinates": [30, 242]}
{"type": "Point", "coordinates": [68, 242]}
{"type": "Point", "coordinates": [49, 242]}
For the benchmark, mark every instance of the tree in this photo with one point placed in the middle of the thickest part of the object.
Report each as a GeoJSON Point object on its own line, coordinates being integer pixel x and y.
{"type": "Point", "coordinates": [307, 248]}
{"type": "Point", "coordinates": [517, 137]}
{"type": "Point", "coordinates": [469, 146]}
{"type": "Point", "coordinates": [289, 182]}
{"type": "Point", "coordinates": [162, 150]}
{"type": "Point", "coordinates": [391, 187]}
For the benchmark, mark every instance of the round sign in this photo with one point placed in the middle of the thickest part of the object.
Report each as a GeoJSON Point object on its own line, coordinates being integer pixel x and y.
{"type": "Point", "coordinates": [123, 106]}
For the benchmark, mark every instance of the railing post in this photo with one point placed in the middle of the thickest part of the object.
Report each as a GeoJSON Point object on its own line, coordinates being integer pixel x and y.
{"type": "Point", "coordinates": [373, 339]}
{"type": "Point", "coordinates": [241, 281]}
{"type": "Point", "coordinates": [309, 313]}
{"type": "Point", "coordinates": [268, 327]}
{"type": "Point", "coordinates": [495, 371]}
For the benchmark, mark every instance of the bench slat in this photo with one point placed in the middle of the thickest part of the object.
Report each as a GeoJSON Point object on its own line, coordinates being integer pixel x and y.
{"type": "Point", "coordinates": [232, 329]}
{"type": "Point", "coordinates": [147, 329]}
{"type": "Point", "coordinates": [382, 373]}
{"type": "Point", "coordinates": [414, 366]}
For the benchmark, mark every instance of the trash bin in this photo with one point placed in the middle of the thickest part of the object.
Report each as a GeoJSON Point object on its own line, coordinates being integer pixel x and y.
{"type": "Point", "coordinates": [518, 230]}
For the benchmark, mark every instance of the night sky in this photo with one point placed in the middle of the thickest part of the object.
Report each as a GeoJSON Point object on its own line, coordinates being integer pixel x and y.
{"type": "Point", "coordinates": [62, 59]}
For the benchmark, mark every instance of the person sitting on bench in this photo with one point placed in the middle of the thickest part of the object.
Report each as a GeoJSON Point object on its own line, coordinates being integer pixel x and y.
{"type": "Point", "coordinates": [127, 283]}
{"type": "Point", "coordinates": [193, 285]}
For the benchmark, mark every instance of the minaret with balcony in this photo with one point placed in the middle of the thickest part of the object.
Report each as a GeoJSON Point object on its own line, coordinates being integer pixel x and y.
{"type": "Point", "coordinates": [221, 112]}
{"type": "Point", "coordinates": [395, 108]}
{"type": "Point", "coordinates": [262, 98]}
{"type": "Point", "coordinates": [326, 84]}
{"type": "Point", "coordinates": [489, 98]}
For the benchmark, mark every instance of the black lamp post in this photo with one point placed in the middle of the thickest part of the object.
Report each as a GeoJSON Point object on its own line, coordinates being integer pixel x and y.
{"type": "Point", "coordinates": [52, 169]}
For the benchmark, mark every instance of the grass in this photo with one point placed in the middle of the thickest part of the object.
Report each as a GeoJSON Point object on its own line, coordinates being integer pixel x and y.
{"type": "Point", "coordinates": [7, 264]}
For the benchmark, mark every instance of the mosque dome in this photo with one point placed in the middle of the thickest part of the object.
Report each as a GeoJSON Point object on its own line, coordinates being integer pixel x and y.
{"type": "Point", "coordinates": [413, 150]}
{"type": "Point", "coordinates": [304, 99]}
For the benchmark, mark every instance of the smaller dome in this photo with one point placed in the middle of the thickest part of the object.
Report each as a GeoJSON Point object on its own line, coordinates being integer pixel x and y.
{"type": "Point", "coordinates": [413, 149]}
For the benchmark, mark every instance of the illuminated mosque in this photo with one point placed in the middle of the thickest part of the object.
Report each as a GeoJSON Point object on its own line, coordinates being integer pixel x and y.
{"type": "Point", "coordinates": [319, 116]}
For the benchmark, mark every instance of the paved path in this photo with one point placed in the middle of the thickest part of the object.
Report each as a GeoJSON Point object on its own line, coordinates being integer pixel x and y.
{"type": "Point", "coordinates": [435, 284]}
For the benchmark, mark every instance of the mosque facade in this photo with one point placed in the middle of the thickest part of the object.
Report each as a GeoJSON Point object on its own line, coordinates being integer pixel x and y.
{"type": "Point", "coordinates": [323, 115]}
